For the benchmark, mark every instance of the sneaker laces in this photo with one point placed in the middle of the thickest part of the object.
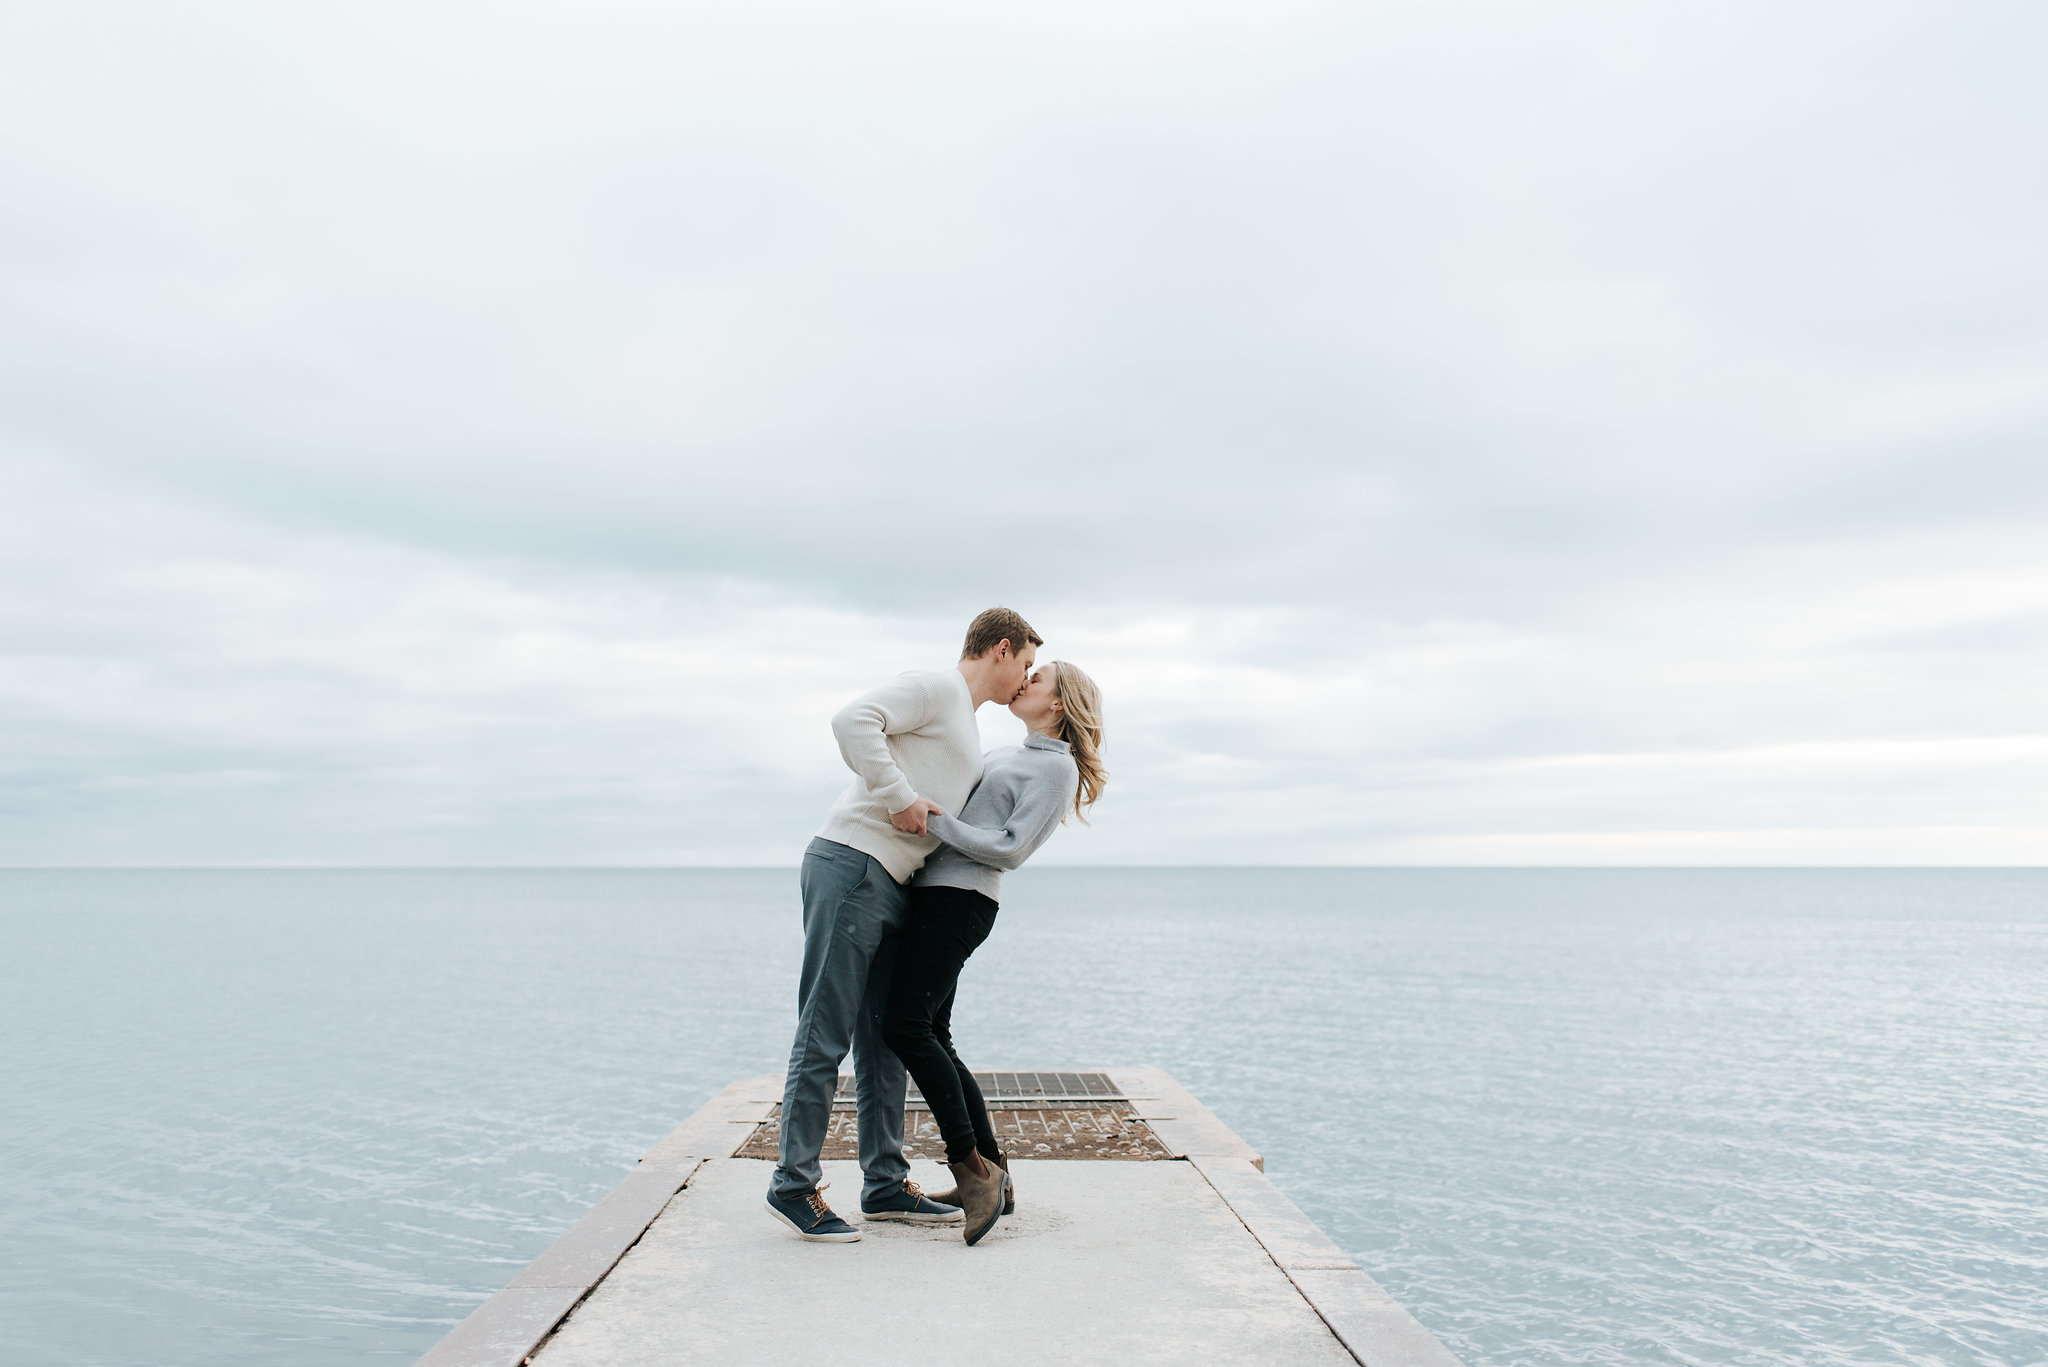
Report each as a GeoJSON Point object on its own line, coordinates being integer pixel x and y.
{"type": "Point", "coordinates": [913, 1191]}
{"type": "Point", "coordinates": [816, 1196]}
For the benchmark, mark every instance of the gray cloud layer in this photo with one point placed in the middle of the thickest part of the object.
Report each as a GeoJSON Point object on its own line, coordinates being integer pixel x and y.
{"type": "Point", "coordinates": [1452, 433]}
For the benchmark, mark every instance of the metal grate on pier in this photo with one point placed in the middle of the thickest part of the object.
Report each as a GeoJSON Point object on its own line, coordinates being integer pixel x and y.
{"type": "Point", "coordinates": [1000, 1090]}
{"type": "Point", "coordinates": [1036, 1115]}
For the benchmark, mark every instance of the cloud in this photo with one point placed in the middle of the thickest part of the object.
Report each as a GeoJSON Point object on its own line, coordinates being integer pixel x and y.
{"type": "Point", "coordinates": [450, 434]}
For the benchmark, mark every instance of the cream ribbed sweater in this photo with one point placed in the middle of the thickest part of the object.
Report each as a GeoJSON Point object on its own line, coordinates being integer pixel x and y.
{"type": "Point", "coordinates": [913, 737]}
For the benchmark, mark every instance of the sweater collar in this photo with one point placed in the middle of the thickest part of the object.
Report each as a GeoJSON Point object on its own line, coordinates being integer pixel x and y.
{"type": "Point", "coordinates": [1034, 741]}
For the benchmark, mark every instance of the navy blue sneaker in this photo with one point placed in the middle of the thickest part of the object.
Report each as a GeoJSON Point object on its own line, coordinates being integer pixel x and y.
{"type": "Point", "coordinates": [811, 1218]}
{"type": "Point", "coordinates": [912, 1205]}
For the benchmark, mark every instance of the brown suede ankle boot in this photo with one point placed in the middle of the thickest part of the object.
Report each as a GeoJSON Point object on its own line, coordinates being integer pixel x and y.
{"type": "Point", "coordinates": [981, 1186]}
{"type": "Point", "coordinates": [951, 1196]}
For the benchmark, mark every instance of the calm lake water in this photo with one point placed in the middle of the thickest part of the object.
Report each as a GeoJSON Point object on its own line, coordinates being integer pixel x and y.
{"type": "Point", "coordinates": [1566, 1116]}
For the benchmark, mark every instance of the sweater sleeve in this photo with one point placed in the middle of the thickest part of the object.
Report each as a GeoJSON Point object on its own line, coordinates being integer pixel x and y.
{"type": "Point", "coordinates": [862, 727]}
{"type": "Point", "coordinates": [1031, 822]}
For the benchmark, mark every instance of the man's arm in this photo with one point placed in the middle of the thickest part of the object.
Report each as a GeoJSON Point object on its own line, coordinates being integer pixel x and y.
{"type": "Point", "coordinates": [862, 728]}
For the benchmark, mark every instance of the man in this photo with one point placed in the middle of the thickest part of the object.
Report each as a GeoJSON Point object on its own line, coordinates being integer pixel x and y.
{"type": "Point", "coordinates": [914, 749]}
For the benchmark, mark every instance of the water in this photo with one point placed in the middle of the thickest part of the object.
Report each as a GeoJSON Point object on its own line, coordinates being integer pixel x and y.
{"type": "Point", "coordinates": [1565, 1116]}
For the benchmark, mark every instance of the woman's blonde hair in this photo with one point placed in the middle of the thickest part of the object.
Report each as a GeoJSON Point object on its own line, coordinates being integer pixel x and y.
{"type": "Point", "coordinates": [1081, 729]}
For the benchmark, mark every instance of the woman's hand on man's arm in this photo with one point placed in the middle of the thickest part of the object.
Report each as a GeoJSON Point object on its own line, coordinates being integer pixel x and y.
{"type": "Point", "coordinates": [911, 820]}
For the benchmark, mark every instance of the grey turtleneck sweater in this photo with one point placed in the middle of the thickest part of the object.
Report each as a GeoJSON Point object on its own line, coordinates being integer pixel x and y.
{"type": "Point", "coordinates": [1024, 791]}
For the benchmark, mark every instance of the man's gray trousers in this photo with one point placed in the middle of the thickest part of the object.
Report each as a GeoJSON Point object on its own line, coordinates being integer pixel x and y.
{"type": "Point", "coordinates": [853, 911]}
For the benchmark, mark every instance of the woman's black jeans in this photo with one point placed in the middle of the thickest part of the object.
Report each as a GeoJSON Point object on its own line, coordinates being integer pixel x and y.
{"type": "Point", "coordinates": [946, 925]}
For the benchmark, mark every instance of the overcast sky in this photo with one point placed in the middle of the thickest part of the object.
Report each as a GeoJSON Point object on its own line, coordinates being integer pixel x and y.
{"type": "Point", "coordinates": [1451, 433]}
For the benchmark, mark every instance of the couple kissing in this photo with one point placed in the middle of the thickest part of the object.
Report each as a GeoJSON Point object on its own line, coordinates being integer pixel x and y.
{"type": "Point", "coordinates": [899, 887]}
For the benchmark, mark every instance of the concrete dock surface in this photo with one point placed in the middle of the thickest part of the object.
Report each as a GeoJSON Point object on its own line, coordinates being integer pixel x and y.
{"type": "Point", "coordinates": [1173, 1248]}
{"type": "Point", "coordinates": [1120, 1262]}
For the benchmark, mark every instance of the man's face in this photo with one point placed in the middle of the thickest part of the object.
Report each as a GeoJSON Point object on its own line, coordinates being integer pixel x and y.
{"type": "Point", "coordinates": [1012, 672]}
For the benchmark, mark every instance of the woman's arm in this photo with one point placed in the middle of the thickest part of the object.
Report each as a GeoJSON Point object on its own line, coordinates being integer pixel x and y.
{"type": "Point", "coordinates": [1030, 825]}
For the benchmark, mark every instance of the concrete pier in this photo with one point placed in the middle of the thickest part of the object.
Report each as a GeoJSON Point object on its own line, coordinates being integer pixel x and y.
{"type": "Point", "coordinates": [1145, 1232]}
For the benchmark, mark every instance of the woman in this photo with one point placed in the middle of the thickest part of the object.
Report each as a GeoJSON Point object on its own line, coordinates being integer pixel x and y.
{"type": "Point", "coordinates": [1025, 791]}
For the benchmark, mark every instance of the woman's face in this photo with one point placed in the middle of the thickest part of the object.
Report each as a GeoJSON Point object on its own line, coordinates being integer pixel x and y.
{"type": "Point", "coordinates": [1039, 704]}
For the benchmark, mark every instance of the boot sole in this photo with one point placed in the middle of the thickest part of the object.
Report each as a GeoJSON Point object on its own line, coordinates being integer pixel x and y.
{"type": "Point", "coordinates": [975, 1236]}
{"type": "Point", "coordinates": [852, 1236]}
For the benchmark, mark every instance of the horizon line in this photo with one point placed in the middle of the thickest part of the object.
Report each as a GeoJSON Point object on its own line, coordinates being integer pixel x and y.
{"type": "Point", "coordinates": [284, 867]}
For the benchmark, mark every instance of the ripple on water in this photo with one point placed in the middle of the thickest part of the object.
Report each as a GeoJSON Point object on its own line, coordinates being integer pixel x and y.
{"type": "Point", "coordinates": [1575, 1117]}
